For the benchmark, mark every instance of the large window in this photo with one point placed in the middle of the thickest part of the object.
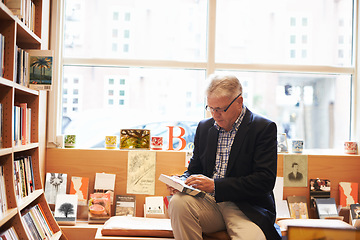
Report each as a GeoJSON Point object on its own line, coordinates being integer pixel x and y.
{"type": "Point", "coordinates": [144, 63]}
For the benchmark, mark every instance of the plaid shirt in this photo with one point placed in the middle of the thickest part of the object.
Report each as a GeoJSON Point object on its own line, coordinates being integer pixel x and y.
{"type": "Point", "coordinates": [225, 142]}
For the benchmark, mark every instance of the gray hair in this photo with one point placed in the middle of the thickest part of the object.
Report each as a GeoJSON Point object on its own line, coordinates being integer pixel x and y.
{"type": "Point", "coordinates": [224, 85]}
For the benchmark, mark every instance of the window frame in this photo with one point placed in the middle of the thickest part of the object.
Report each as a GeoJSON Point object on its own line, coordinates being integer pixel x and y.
{"type": "Point", "coordinates": [210, 66]}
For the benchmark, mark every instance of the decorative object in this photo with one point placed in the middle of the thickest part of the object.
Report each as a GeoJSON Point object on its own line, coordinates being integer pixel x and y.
{"type": "Point", "coordinates": [70, 141]}
{"type": "Point", "coordinates": [350, 147]}
{"type": "Point", "coordinates": [157, 143]}
{"type": "Point", "coordinates": [297, 146]}
{"type": "Point", "coordinates": [110, 142]}
{"type": "Point", "coordinates": [134, 139]}
{"type": "Point", "coordinates": [282, 143]}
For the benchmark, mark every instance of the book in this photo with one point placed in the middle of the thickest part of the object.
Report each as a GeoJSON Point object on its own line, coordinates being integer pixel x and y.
{"type": "Point", "coordinates": [105, 183]}
{"type": "Point", "coordinates": [180, 185]}
{"type": "Point", "coordinates": [1, 124]}
{"type": "Point", "coordinates": [9, 234]}
{"type": "Point", "coordinates": [282, 209]}
{"type": "Point", "coordinates": [298, 207]}
{"type": "Point", "coordinates": [99, 207]}
{"type": "Point", "coordinates": [3, 202]}
{"type": "Point", "coordinates": [326, 208]}
{"type": "Point", "coordinates": [80, 187]}
{"type": "Point", "coordinates": [66, 209]}
{"type": "Point", "coordinates": [154, 205]}
{"type": "Point", "coordinates": [319, 188]}
{"type": "Point", "coordinates": [125, 205]}
{"type": "Point", "coordinates": [355, 215]}
{"type": "Point", "coordinates": [348, 193]}
{"type": "Point", "coordinates": [40, 69]}
{"type": "Point", "coordinates": [55, 183]}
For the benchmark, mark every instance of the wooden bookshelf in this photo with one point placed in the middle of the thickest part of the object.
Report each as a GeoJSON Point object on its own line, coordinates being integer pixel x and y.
{"type": "Point", "coordinates": [17, 33]}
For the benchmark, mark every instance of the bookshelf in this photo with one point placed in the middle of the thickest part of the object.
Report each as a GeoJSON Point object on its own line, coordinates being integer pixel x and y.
{"type": "Point", "coordinates": [26, 36]}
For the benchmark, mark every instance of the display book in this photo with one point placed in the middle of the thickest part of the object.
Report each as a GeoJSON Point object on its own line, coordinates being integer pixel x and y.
{"type": "Point", "coordinates": [125, 205]}
{"type": "Point", "coordinates": [34, 68]}
{"type": "Point", "coordinates": [180, 185]}
{"type": "Point", "coordinates": [101, 200]}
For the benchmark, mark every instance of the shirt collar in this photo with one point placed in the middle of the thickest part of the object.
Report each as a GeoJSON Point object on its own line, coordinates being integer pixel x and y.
{"type": "Point", "coordinates": [237, 123]}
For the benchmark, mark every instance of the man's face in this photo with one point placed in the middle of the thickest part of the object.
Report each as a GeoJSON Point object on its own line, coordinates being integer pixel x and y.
{"type": "Point", "coordinates": [228, 118]}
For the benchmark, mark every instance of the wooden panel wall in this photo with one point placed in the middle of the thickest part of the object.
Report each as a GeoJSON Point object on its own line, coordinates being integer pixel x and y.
{"type": "Point", "coordinates": [81, 162]}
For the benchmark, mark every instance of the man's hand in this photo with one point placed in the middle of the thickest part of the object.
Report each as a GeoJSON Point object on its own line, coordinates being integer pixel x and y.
{"type": "Point", "coordinates": [172, 190]}
{"type": "Point", "coordinates": [201, 182]}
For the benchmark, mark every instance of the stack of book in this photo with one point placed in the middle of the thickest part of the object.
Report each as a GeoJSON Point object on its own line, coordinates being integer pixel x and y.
{"type": "Point", "coordinates": [23, 176]}
{"type": "Point", "coordinates": [22, 124]}
{"type": "Point", "coordinates": [9, 234]}
{"type": "Point", "coordinates": [36, 224]}
{"type": "Point", "coordinates": [3, 203]}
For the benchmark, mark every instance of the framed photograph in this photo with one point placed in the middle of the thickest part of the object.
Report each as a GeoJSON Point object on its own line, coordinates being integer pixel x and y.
{"type": "Point", "coordinates": [295, 170]}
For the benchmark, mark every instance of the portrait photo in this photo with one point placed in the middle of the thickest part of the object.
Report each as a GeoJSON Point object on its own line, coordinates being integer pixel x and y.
{"type": "Point", "coordinates": [295, 170]}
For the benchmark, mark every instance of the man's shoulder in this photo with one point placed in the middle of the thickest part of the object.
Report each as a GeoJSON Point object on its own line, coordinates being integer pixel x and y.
{"type": "Point", "coordinates": [208, 122]}
{"type": "Point", "coordinates": [257, 118]}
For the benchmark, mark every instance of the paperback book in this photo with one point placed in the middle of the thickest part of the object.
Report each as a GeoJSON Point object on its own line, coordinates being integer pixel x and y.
{"type": "Point", "coordinates": [40, 69]}
{"type": "Point", "coordinates": [99, 207]}
{"type": "Point", "coordinates": [181, 186]}
{"type": "Point", "coordinates": [105, 183]}
{"type": "Point", "coordinates": [125, 205]}
{"type": "Point", "coordinates": [80, 187]}
{"type": "Point", "coordinates": [154, 205]}
{"type": "Point", "coordinates": [348, 193]}
{"type": "Point", "coordinates": [66, 209]}
{"type": "Point", "coordinates": [298, 207]}
{"type": "Point", "coordinates": [326, 208]}
{"type": "Point", "coordinates": [355, 215]}
{"type": "Point", "coordinates": [319, 188]}
{"type": "Point", "coordinates": [55, 184]}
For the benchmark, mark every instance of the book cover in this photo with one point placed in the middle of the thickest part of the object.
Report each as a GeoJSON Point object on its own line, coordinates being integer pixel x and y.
{"type": "Point", "coordinates": [298, 207]}
{"type": "Point", "coordinates": [319, 188]}
{"type": "Point", "coordinates": [282, 209]}
{"type": "Point", "coordinates": [348, 193]}
{"type": "Point", "coordinates": [154, 205]}
{"type": "Point", "coordinates": [99, 207]}
{"type": "Point", "coordinates": [66, 209]}
{"type": "Point", "coordinates": [180, 185]}
{"type": "Point", "coordinates": [105, 183]}
{"type": "Point", "coordinates": [55, 184]}
{"type": "Point", "coordinates": [326, 207]}
{"type": "Point", "coordinates": [125, 205]}
{"type": "Point", "coordinates": [80, 187]}
{"type": "Point", "coordinates": [355, 214]}
{"type": "Point", "coordinates": [40, 69]}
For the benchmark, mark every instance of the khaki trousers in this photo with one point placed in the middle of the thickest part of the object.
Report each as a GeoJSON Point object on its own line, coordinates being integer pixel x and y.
{"type": "Point", "coordinates": [191, 216]}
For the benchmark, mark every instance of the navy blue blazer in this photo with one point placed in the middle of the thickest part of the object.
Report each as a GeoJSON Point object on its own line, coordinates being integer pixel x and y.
{"type": "Point", "coordinates": [251, 172]}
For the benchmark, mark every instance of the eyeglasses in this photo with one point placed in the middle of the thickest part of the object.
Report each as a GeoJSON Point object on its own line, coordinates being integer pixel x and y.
{"type": "Point", "coordinates": [220, 110]}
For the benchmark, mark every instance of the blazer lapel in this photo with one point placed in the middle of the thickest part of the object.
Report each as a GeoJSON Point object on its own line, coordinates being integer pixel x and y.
{"type": "Point", "coordinates": [211, 151]}
{"type": "Point", "coordinates": [239, 139]}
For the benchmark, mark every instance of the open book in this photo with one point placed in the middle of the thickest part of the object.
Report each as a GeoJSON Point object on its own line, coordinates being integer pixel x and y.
{"type": "Point", "coordinates": [181, 186]}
